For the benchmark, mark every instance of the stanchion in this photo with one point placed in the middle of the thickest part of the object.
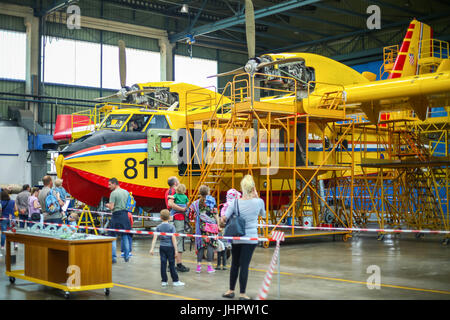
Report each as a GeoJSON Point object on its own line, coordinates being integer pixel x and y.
{"type": "Point", "coordinates": [262, 295]}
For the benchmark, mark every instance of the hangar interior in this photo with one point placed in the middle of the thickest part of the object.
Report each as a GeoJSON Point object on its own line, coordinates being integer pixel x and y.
{"type": "Point", "coordinates": [59, 57]}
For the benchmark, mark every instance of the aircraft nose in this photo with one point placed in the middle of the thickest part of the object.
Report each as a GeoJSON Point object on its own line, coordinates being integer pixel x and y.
{"type": "Point", "coordinates": [59, 165]}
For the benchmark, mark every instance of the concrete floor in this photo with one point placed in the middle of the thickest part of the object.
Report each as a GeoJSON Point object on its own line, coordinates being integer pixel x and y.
{"type": "Point", "coordinates": [314, 268]}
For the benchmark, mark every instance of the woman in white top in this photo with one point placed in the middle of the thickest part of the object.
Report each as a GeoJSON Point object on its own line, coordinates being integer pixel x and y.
{"type": "Point", "coordinates": [250, 206]}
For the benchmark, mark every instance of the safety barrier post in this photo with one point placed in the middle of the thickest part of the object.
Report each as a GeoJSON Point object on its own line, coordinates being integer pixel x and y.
{"type": "Point", "coordinates": [277, 236]}
{"type": "Point", "coordinates": [279, 286]}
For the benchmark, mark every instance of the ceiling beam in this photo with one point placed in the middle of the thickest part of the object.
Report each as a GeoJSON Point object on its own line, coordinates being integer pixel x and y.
{"type": "Point", "coordinates": [404, 23]}
{"type": "Point", "coordinates": [55, 7]}
{"type": "Point", "coordinates": [239, 19]}
{"type": "Point", "coordinates": [322, 21]}
{"type": "Point", "coordinates": [363, 16]}
{"type": "Point", "coordinates": [290, 28]}
{"type": "Point", "coordinates": [395, 7]}
{"type": "Point", "coordinates": [265, 35]}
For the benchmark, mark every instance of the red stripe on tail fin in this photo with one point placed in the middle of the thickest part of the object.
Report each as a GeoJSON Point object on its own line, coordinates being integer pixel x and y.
{"type": "Point", "coordinates": [413, 45]}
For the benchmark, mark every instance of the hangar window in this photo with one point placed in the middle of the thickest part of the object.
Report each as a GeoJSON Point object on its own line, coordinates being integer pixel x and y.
{"type": "Point", "coordinates": [142, 66]}
{"type": "Point", "coordinates": [72, 62]}
{"type": "Point", "coordinates": [195, 71]}
{"type": "Point", "coordinates": [12, 59]}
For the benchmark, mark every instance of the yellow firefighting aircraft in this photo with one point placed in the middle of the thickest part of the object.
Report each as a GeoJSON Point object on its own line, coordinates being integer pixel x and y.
{"type": "Point", "coordinates": [136, 140]}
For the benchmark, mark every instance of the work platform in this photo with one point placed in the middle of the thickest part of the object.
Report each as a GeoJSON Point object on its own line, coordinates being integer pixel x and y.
{"type": "Point", "coordinates": [270, 139]}
{"type": "Point", "coordinates": [311, 155]}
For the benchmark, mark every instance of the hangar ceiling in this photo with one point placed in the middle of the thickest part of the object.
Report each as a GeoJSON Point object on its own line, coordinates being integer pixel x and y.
{"type": "Point", "coordinates": [334, 28]}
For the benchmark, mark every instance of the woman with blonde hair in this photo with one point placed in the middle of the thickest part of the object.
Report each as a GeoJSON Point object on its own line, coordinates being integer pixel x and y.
{"type": "Point", "coordinates": [250, 206]}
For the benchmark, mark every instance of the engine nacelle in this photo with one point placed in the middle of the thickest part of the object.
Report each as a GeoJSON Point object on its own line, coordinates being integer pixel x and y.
{"type": "Point", "coordinates": [295, 70]}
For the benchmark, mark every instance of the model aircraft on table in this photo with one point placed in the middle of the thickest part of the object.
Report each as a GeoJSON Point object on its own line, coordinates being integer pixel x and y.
{"type": "Point", "coordinates": [136, 140]}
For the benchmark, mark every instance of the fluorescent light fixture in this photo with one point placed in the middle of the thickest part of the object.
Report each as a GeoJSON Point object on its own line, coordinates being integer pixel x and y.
{"type": "Point", "coordinates": [185, 8]}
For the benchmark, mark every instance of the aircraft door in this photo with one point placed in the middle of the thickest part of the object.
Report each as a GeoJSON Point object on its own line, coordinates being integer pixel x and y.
{"type": "Point", "coordinates": [190, 152]}
{"type": "Point", "coordinates": [162, 147]}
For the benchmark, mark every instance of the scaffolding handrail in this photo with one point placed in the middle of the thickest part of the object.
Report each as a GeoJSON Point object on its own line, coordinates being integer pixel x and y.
{"type": "Point", "coordinates": [209, 101]}
{"type": "Point", "coordinates": [337, 100]}
{"type": "Point", "coordinates": [247, 92]}
{"type": "Point", "coordinates": [390, 54]}
{"type": "Point", "coordinates": [434, 48]}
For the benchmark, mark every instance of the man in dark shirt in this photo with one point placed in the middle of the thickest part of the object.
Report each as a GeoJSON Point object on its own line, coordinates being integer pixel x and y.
{"type": "Point", "coordinates": [178, 221]}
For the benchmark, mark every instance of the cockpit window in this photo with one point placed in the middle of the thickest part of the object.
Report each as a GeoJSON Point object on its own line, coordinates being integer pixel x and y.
{"type": "Point", "coordinates": [137, 123]}
{"type": "Point", "coordinates": [114, 121]}
{"type": "Point", "coordinates": [158, 122]}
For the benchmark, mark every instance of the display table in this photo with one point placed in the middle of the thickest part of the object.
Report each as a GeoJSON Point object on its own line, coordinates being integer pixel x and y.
{"type": "Point", "coordinates": [47, 260]}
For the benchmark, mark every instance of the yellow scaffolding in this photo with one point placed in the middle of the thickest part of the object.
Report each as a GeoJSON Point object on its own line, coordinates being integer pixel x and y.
{"type": "Point", "coordinates": [404, 183]}
{"type": "Point", "coordinates": [253, 133]}
{"type": "Point", "coordinates": [407, 185]}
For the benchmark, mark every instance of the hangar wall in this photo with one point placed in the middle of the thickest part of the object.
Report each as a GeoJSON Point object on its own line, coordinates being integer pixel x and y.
{"type": "Point", "coordinates": [14, 167]}
{"type": "Point", "coordinates": [53, 28]}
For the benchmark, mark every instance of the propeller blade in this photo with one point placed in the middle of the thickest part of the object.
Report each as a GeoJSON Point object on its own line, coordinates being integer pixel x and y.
{"type": "Point", "coordinates": [141, 91]}
{"type": "Point", "coordinates": [250, 28]}
{"type": "Point", "coordinates": [116, 95]}
{"type": "Point", "coordinates": [173, 106]}
{"type": "Point", "coordinates": [235, 71]}
{"type": "Point", "coordinates": [271, 63]}
{"type": "Point", "coordinates": [122, 64]}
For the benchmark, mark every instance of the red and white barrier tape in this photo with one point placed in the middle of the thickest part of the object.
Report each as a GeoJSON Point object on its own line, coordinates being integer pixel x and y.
{"type": "Point", "coordinates": [110, 213]}
{"type": "Point", "coordinates": [151, 232]}
{"type": "Point", "coordinates": [264, 290]}
{"type": "Point", "coordinates": [356, 229]}
{"type": "Point", "coordinates": [311, 228]}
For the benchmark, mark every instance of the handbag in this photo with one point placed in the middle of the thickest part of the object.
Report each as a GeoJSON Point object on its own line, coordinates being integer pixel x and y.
{"type": "Point", "coordinates": [211, 228]}
{"type": "Point", "coordinates": [236, 224]}
{"type": "Point", "coordinates": [208, 224]}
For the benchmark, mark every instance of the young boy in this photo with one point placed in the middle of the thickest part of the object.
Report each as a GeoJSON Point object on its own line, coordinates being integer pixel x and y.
{"type": "Point", "coordinates": [167, 249]}
{"type": "Point", "coordinates": [179, 198]}
{"type": "Point", "coordinates": [73, 218]}
{"type": "Point", "coordinates": [221, 254]}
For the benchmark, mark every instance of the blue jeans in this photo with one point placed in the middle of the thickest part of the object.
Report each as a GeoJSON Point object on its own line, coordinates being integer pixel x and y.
{"type": "Point", "coordinates": [130, 238]}
{"type": "Point", "coordinates": [24, 218]}
{"type": "Point", "coordinates": [168, 254]}
{"type": "Point", "coordinates": [173, 211]}
{"type": "Point", "coordinates": [120, 220]}
{"type": "Point", "coordinates": [5, 225]}
{"type": "Point", "coordinates": [125, 244]}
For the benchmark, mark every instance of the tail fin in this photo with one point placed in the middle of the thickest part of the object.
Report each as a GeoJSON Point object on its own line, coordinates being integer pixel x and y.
{"type": "Point", "coordinates": [69, 127]}
{"type": "Point", "coordinates": [414, 45]}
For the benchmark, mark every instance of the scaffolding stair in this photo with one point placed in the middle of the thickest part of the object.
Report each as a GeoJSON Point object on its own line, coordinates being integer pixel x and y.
{"type": "Point", "coordinates": [331, 100]}
{"type": "Point", "coordinates": [210, 174]}
{"type": "Point", "coordinates": [414, 145]}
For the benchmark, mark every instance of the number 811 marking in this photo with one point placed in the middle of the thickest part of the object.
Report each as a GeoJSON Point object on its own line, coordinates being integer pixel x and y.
{"type": "Point", "coordinates": [131, 171]}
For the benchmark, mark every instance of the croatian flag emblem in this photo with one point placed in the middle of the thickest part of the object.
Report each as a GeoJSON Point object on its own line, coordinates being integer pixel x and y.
{"type": "Point", "coordinates": [166, 142]}
{"type": "Point", "coordinates": [411, 58]}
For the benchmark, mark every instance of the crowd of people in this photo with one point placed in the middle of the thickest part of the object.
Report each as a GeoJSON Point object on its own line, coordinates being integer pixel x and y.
{"type": "Point", "coordinates": [32, 206]}
{"type": "Point", "coordinates": [209, 222]}
{"type": "Point", "coordinates": [35, 204]}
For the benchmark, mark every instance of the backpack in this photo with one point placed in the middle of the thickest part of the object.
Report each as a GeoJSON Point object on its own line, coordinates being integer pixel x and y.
{"type": "Point", "coordinates": [131, 203]}
{"type": "Point", "coordinates": [51, 203]}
